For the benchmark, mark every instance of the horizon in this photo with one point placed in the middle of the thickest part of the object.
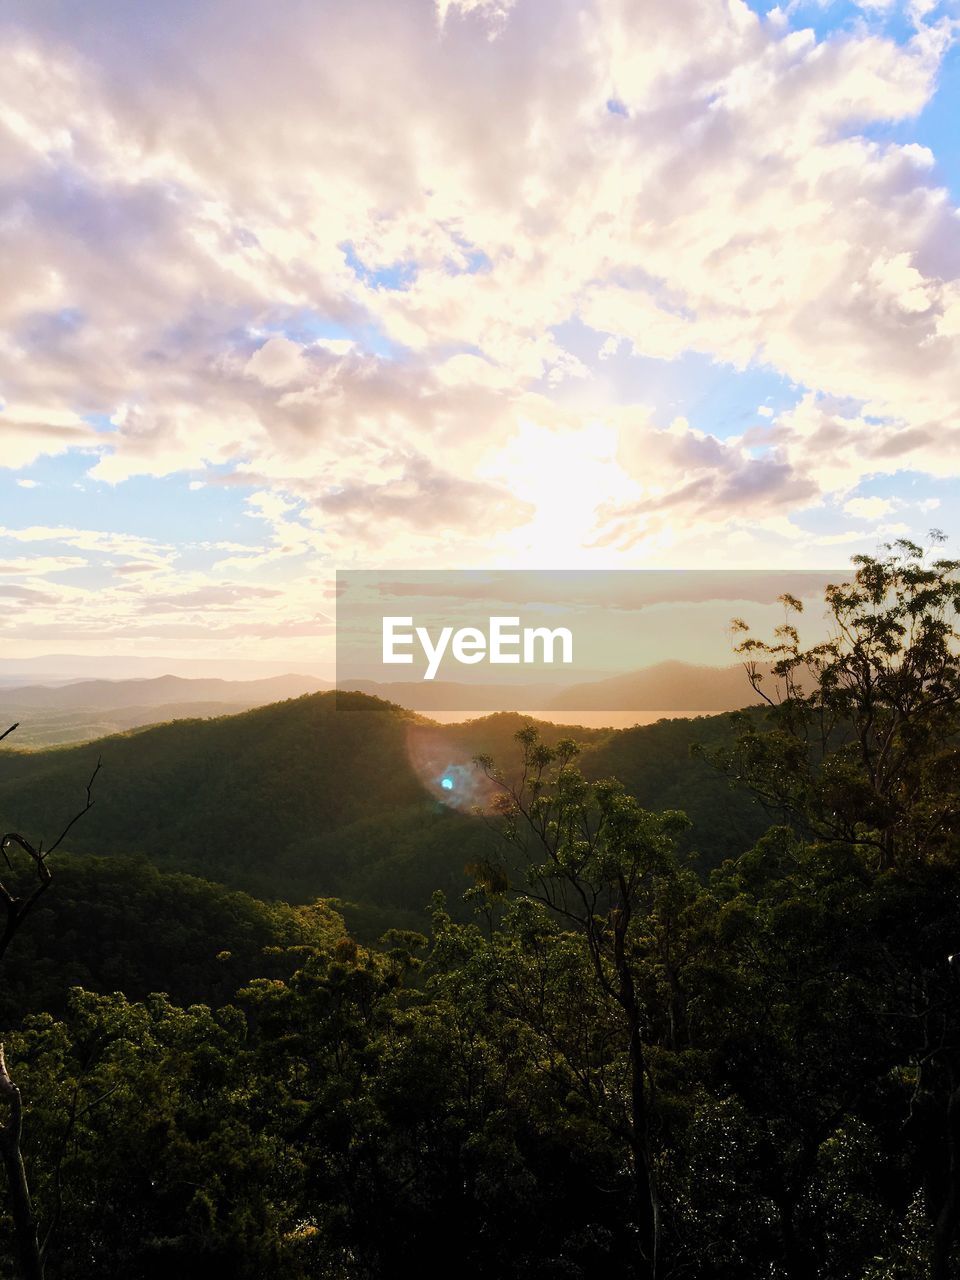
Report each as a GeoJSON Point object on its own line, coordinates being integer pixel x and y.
{"type": "Point", "coordinates": [47, 722]}
{"type": "Point", "coordinates": [54, 681]}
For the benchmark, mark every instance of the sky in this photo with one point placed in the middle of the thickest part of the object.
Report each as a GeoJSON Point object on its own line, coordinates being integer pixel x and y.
{"type": "Point", "coordinates": [460, 284]}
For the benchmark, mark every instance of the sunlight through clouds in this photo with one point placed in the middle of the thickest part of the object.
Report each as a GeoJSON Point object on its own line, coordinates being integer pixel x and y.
{"type": "Point", "coordinates": [410, 283]}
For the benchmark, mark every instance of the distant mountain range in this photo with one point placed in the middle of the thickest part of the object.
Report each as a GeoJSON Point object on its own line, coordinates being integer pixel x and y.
{"type": "Point", "coordinates": [450, 695]}
{"type": "Point", "coordinates": [674, 686]}
{"type": "Point", "coordinates": [667, 686]}
{"type": "Point", "coordinates": [161, 691]}
{"type": "Point", "coordinates": [87, 709]}
{"type": "Point", "coordinates": [81, 710]}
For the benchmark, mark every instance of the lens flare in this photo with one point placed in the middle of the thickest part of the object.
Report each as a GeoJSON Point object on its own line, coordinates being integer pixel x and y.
{"type": "Point", "coordinates": [446, 769]}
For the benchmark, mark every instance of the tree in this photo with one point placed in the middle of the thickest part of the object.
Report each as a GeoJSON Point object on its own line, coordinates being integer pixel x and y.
{"type": "Point", "coordinates": [150, 1156]}
{"type": "Point", "coordinates": [17, 907]}
{"type": "Point", "coordinates": [606, 868]}
{"type": "Point", "coordinates": [861, 751]}
{"type": "Point", "coordinates": [863, 745]}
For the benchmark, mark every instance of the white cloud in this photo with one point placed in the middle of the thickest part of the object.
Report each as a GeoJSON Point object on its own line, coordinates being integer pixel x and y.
{"type": "Point", "coordinates": [337, 346]}
{"type": "Point", "coordinates": [167, 269]}
{"type": "Point", "coordinates": [38, 566]}
{"type": "Point", "coordinates": [100, 541]}
{"type": "Point", "coordinates": [868, 508]}
{"type": "Point", "coordinates": [495, 11]}
{"type": "Point", "coordinates": [277, 363]}
{"type": "Point", "coordinates": [29, 432]}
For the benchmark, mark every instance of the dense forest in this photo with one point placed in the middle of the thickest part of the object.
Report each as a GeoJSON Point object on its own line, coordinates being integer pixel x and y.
{"type": "Point", "coordinates": [683, 1002]}
{"type": "Point", "coordinates": [336, 795]}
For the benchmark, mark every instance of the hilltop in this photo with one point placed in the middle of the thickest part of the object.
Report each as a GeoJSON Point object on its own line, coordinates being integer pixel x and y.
{"type": "Point", "coordinates": [338, 795]}
{"type": "Point", "coordinates": [54, 715]}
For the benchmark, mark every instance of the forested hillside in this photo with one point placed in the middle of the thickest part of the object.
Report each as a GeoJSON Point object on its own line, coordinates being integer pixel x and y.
{"type": "Point", "coordinates": [646, 1044]}
{"type": "Point", "coordinates": [337, 794]}
{"type": "Point", "coordinates": [119, 924]}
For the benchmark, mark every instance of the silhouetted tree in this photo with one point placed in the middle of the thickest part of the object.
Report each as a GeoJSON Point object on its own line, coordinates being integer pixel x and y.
{"type": "Point", "coordinates": [18, 906]}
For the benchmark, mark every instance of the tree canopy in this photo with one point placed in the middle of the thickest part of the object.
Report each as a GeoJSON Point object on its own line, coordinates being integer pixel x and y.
{"type": "Point", "coordinates": [617, 1057]}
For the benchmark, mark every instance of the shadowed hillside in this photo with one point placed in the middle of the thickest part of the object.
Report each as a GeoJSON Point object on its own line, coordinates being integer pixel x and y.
{"type": "Point", "coordinates": [119, 924]}
{"type": "Point", "coordinates": [339, 794]}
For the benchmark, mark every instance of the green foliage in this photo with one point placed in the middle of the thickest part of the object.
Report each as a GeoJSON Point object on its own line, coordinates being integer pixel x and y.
{"type": "Point", "coordinates": [862, 742]}
{"type": "Point", "coordinates": [119, 924]}
{"type": "Point", "coordinates": [143, 1141]}
{"type": "Point", "coordinates": [319, 797]}
{"type": "Point", "coordinates": [230, 799]}
{"type": "Point", "coordinates": [666, 766]}
{"type": "Point", "coordinates": [627, 1046]}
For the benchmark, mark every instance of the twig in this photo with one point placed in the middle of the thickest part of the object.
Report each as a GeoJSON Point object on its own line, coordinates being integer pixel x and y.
{"type": "Point", "coordinates": [17, 908]}
{"type": "Point", "coordinates": [77, 816]}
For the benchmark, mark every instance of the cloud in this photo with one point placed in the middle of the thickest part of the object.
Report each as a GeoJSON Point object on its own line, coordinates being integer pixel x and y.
{"type": "Point", "coordinates": [422, 494]}
{"type": "Point", "coordinates": [29, 432]}
{"type": "Point", "coordinates": [277, 363]}
{"type": "Point", "coordinates": [38, 566]}
{"type": "Point", "coordinates": [694, 479]}
{"type": "Point", "coordinates": [868, 508]}
{"type": "Point", "coordinates": [836, 446]}
{"type": "Point", "coordinates": [393, 286]}
{"type": "Point", "coordinates": [495, 12]}
{"type": "Point", "coordinates": [105, 542]}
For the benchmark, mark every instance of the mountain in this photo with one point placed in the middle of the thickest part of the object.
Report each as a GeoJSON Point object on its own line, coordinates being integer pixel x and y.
{"type": "Point", "coordinates": [46, 727]}
{"type": "Point", "coordinates": [671, 685]}
{"type": "Point", "coordinates": [83, 710]}
{"type": "Point", "coordinates": [337, 795]}
{"type": "Point", "coordinates": [79, 711]}
{"type": "Point", "coordinates": [451, 695]}
{"type": "Point", "coordinates": [64, 668]}
{"type": "Point", "coordinates": [161, 691]}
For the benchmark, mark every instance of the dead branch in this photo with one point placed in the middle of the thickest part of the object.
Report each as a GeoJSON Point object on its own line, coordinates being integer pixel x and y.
{"type": "Point", "coordinates": [18, 906]}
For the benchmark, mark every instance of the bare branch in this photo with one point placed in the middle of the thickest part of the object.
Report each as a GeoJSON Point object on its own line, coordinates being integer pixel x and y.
{"type": "Point", "coordinates": [18, 907]}
{"type": "Point", "coordinates": [77, 816]}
